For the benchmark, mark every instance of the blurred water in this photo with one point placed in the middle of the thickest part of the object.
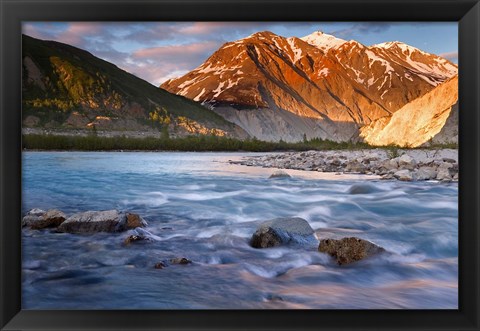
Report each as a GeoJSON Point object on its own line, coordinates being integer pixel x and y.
{"type": "Point", "coordinates": [203, 208]}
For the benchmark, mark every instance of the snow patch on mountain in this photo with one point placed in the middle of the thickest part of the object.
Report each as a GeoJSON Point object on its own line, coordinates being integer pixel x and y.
{"type": "Point", "coordinates": [323, 41]}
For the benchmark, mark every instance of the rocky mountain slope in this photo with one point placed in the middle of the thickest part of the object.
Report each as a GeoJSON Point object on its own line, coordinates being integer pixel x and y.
{"type": "Point", "coordinates": [431, 118]}
{"type": "Point", "coordinates": [68, 88]}
{"type": "Point", "coordinates": [321, 86]}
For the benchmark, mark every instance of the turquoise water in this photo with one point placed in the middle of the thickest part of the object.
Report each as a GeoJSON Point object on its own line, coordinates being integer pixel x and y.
{"type": "Point", "coordinates": [201, 207]}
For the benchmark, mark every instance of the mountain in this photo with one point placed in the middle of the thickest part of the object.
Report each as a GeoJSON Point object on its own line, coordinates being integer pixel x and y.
{"type": "Point", "coordinates": [319, 85]}
{"type": "Point", "coordinates": [64, 87]}
{"type": "Point", "coordinates": [431, 118]}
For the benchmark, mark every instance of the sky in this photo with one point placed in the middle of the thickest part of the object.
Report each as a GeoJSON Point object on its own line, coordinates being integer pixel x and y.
{"type": "Point", "coordinates": [157, 51]}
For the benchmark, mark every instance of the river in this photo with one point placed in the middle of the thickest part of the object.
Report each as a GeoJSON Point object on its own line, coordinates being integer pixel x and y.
{"type": "Point", "coordinates": [201, 207]}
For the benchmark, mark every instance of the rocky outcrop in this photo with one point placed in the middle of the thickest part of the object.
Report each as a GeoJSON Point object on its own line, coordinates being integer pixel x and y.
{"type": "Point", "coordinates": [283, 231]}
{"type": "Point", "coordinates": [431, 118]}
{"type": "Point", "coordinates": [401, 164]}
{"type": "Point", "coordinates": [101, 221]}
{"type": "Point", "coordinates": [348, 250]}
{"type": "Point", "coordinates": [39, 219]}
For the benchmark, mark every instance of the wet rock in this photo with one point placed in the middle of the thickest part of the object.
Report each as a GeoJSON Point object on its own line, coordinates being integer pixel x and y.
{"type": "Point", "coordinates": [279, 174]}
{"type": "Point", "coordinates": [362, 189]}
{"type": "Point", "coordinates": [348, 250]}
{"type": "Point", "coordinates": [98, 221]}
{"type": "Point", "coordinates": [135, 238]}
{"type": "Point", "coordinates": [180, 260]}
{"type": "Point", "coordinates": [160, 265]}
{"type": "Point", "coordinates": [135, 221]}
{"type": "Point", "coordinates": [282, 231]}
{"type": "Point", "coordinates": [177, 260]}
{"type": "Point", "coordinates": [39, 219]}
{"type": "Point", "coordinates": [404, 175]}
{"type": "Point", "coordinates": [32, 217]}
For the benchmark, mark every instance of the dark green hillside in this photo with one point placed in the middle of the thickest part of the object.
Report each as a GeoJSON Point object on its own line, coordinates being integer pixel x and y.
{"type": "Point", "coordinates": [66, 87]}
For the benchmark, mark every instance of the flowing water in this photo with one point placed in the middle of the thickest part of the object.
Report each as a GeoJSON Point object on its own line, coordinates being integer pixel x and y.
{"type": "Point", "coordinates": [201, 207]}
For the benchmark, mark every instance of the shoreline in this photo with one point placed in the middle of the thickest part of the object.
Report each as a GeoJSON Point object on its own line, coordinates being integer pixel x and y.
{"type": "Point", "coordinates": [380, 163]}
{"type": "Point", "coordinates": [402, 164]}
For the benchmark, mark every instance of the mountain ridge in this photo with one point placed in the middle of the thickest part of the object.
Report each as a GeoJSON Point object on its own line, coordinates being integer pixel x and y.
{"type": "Point", "coordinates": [431, 118]}
{"type": "Point", "coordinates": [296, 88]}
{"type": "Point", "coordinates": [65, 87]}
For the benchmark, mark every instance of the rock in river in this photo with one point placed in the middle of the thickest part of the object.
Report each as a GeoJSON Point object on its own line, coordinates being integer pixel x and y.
{"type": "Point", "coordinates": [40, 219]}
{"type": "Point", "coordinates": [363, 189]}
{"type": "Point", "coordinates": [177, 260]}
{"type": "Point", "coordinates": [135, 238]}
{"type": "Point", "coordinates": [348, 250]}
{"type": "Point", "coordinates": [101, 221]}
{"type": "Point", "coordinates": [279, 174]}
{"type": "Point", "coordinates": [281, 231]}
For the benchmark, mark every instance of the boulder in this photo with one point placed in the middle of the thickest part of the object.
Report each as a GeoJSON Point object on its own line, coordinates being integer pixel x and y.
{"type": "Point", "coordinates": [279, 174]}
{"type": "Point", "coordinates": [348, 250]}
{"type": "Point", "coordinates": [406, 162]}
{"type": "Point", "coordinates": [355, 166]}
{"type": "Point", "coordinates": [135, 221]}
{"type": "Point", "coordinates": [404, 175]}
{"type": "Point", "coordinates": [362, 189]}
{"type": "Point", "coordinates": [390, 164]}
{"type": "Point", "coordinates": [39, 219]}
{"type": "Point", "coordinates": [282, 231]}
{"type": "Point", "coordinates": [426, 173]}
{"type": "Point", "coordinates": [100, 221]}
{"type": "Point", "coordinates": [443, 174]}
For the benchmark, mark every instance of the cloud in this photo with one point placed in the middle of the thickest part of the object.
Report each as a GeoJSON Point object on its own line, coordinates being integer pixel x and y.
{"type": "Point", "coordinates": [451, 56]}
{"type": "Point", "coordinates": [156, 51]}
{"type": "Point", "coordinates": [361, 28]}
{"type": "Point", "coordinates": [170, 59]}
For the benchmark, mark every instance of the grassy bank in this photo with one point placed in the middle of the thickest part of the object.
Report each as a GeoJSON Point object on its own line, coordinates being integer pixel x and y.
{"type": "Point", "coordinates": [191, 144]}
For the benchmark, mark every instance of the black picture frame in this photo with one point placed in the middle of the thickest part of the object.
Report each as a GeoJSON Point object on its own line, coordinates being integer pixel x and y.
{"type": "Point", "coordinates": [465, 12]}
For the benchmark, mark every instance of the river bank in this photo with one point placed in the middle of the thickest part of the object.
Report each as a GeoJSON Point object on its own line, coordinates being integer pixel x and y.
{"type": "Point", "coordinates": [401, 164]}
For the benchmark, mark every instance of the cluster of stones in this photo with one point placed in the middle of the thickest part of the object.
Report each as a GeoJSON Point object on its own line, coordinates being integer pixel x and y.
{"type": "Point", "coordinates": [404, 165]}
{"type": "Point", "coordinates": [92, 222]}
{"type": "Point", "coordinates": [83, 222]}
{"type": "Point", "coordinates": [297, 231]}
